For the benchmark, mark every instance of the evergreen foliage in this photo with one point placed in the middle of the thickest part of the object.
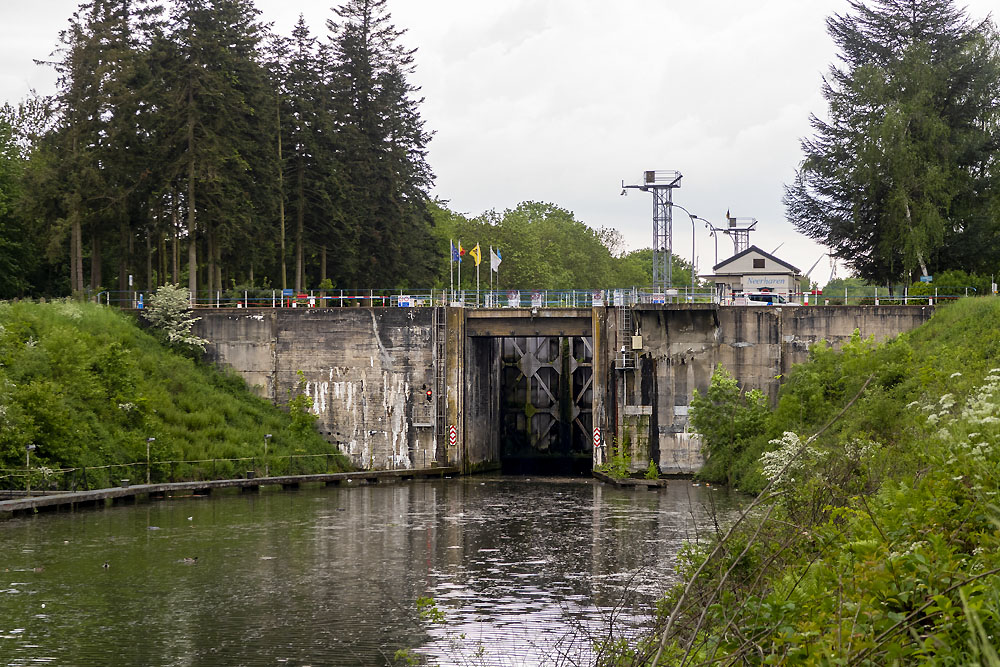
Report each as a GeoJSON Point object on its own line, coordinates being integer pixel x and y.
{"type": "Point", "coordinates": [902, 178]}
{"type": "Point", "coordinates": [177, 140]}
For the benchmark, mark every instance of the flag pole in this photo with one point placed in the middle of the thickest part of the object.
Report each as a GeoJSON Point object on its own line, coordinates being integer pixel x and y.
{"type": "Point", "coordinates": [451, 268]}
{"type": "Point", "coordinates": [460, 266]}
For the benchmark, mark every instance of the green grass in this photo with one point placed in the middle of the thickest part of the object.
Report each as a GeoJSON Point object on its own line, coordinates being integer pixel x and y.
{"type": "Point", "coordinates": [879, 543]}
{"type": "Point", "coordinates": [87, 386]}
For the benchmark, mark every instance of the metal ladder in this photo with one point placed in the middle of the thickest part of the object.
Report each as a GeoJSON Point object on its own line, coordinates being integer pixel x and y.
{"type": "Point", "coordinates": [440, 380]}
{"type": "Point", "coordinates": [624, 317]}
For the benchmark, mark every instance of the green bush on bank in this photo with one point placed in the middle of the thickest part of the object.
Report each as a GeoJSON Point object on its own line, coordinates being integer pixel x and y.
{"type": "Point", "coordinates": [876, 539]}
{"type": "Point", "coordinates": [87, 387]}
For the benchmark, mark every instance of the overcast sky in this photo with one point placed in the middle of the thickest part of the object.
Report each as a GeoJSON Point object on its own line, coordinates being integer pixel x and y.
{"type": "Point", "coordinates": [562, 100]}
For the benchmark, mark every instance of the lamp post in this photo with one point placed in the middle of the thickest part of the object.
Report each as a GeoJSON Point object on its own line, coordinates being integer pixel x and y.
{"type": "Point", "coordinates": [693, 257]}
{"type": "Point", "coordinates": [711, 230]}
{"type": "Point", "coordinates": [149, 441]}
{"type": "Point", "coordinates": [27, 466]}
{"type": "Point", "coordinates": [267, 468]}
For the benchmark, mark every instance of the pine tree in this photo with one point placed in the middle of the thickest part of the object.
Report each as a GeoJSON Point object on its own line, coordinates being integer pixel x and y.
{"type": "Point", "coordinates": [900, 174]}
{"type": "Point", "coordinates": [384, 147]}
{"type": "Point", "coordinates": [218, 101]}
{"type": "Point", "coordinates": [87, 172]}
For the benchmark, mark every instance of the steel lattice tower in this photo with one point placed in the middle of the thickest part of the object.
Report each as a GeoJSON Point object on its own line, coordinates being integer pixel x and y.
{"type": "Point", "coordinates": [662, 185]}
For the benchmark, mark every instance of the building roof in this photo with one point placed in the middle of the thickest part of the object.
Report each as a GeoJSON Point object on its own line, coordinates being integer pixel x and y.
{"type": "Point", "coordinates": [755, 249]}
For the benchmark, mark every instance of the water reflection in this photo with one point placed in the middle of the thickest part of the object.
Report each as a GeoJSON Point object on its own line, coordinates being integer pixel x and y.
{"type": "Point", "coordinates": [525, 571]}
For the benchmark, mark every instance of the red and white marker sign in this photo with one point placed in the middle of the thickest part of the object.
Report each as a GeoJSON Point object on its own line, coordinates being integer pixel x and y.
{"type": "Point", "coordinates": [452, 435]}
{"type": "Point", "coordinates": [597, 436]}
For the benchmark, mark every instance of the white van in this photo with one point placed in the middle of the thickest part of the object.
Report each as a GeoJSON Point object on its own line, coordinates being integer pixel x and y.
{"type": "Point", "coordinates": [763, 299]}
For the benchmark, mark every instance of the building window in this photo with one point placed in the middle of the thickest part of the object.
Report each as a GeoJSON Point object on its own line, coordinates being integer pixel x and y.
{"type": "Point", "coordinates": [758, 263]}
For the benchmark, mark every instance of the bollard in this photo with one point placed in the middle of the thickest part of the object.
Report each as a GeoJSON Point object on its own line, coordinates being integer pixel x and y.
{"type": "Point", "coordinates": [250, 474]}
{"type": "Point", "coordinates": [123, 482]}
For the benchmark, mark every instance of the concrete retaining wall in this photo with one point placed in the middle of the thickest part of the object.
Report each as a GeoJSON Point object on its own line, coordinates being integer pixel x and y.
{"type": "Point", "coordinates": [366, 370]}
{"type": "Point", "coordinates": [682, 345]}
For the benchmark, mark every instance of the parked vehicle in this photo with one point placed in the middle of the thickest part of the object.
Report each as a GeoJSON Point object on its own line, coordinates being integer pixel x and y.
{"type": "Point", "coordinates": [763, 299]}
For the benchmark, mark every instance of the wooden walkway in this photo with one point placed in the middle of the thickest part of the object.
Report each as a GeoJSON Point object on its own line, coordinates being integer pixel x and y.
{"type": "Point", "coordinates": [100, 497]}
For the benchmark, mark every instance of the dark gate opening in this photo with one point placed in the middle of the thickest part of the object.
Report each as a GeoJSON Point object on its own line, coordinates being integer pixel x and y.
{"type": "Point", "coordinates": [546, 413]}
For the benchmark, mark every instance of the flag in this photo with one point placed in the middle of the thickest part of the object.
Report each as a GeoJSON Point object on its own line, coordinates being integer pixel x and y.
{"type": "Point", "coordinates": [455, 257]}
{"type": "Point", "coordinates": [476, 254]}
{"type": "Point", "coordinates": [495, 259]}
{"type": "Point", "coordinates": [461, 250]}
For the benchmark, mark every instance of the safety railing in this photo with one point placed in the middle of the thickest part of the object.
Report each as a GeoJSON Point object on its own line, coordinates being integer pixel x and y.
{"type": "Point", "coordinates": [41, 480]}
{"type": "Point", "coordinates": [518, 298]}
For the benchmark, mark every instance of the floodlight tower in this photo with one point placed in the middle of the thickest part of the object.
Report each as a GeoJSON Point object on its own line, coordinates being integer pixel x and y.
{"type": "Point", "coordinates": [661, 184]}
{"type": "Point", "coordinates": [739, 230]}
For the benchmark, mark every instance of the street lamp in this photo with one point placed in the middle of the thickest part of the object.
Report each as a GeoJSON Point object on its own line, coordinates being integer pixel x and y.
{"type": "Point", "coordinates": [711, 230]}
{"type": "Point", "coordinates": [267, 469]}
{"type": "Point", "coordinates": [693, 257]}
{"type": "Point", "coordinates": [149, 441]}
{"type": "Point", "coordinates": [27, 466]}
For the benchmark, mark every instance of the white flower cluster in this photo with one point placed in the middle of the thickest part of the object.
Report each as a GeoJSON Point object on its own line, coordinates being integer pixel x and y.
{"type": "Point", "coordinates": [858, 449]}
{"type": "Point", "coordinates": [68, 308]}
{"type": "Point", "coordinates": [940, 410]}
{"type": "Point", "coordinates": [127, 407]}
{"type": "Point", "coordinates": [981, 407]}
{"type": "Point", "coordinates": [911, 548]}
{"type": "Point", "coordinates": [787, 458]}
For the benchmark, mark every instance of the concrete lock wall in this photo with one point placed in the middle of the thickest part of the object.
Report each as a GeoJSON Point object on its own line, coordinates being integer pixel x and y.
{"type": "Point", "coordinates": [682, 345]}
{"type": "Point", "coordinates": [366, 370]}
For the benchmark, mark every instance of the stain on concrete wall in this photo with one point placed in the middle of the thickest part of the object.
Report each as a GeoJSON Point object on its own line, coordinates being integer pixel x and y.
{"type": "Point", "coordinates": [365, 369]}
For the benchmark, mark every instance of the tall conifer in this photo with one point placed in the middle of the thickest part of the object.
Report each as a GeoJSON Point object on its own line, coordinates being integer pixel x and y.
{"type": "Point", "coordinates": [902, 176]}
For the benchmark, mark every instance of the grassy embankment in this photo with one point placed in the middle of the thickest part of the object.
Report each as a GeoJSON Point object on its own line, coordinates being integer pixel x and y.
{"type": "Point", "coordinates": [875, 539]}
{"type": "Point", "coordinates": [88, 387]}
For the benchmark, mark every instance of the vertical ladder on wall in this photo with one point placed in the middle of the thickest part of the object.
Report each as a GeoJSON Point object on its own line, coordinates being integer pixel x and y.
{"type": "Point", "coordinates": [625, 331]}
{"type": "Point", "coordinates": [440, 380]}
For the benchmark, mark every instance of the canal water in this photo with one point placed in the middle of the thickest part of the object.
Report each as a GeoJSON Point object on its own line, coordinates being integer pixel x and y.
{"type": "Point", "coordinates": [521, 571]}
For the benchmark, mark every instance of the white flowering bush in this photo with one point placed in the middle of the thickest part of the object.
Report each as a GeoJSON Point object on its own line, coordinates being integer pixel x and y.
{"type": "Point", "coordinates": [788, 460]}
{"type": "Point", "coordinates": [169, 311]}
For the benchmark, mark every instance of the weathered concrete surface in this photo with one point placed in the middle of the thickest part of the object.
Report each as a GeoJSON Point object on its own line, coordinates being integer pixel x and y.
{"type": "Point", "coordinates": [366, 370]}
{"type": "Point", "coordinates": [682, 345]}
{"type": "Point", "coordinates": [526, 322]}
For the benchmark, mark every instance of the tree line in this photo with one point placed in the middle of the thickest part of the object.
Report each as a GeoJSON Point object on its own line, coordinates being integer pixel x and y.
{"type": "Point", "coordinates": [188, 141]}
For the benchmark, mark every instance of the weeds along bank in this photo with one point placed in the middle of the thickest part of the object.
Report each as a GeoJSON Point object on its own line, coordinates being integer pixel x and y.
{"type": "Point", "coordinates": [88, 388]}
{"type": "Point", "coordinates": [875, 539]}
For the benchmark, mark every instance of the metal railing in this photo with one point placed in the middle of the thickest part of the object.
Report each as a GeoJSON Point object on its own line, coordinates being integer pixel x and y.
{"type": "Point", "coordinates": [42, 480]}
{"type": "Point", "coordinates": [515, 298]}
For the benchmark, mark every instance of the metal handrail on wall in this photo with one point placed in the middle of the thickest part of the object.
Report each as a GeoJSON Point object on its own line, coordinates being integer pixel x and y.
{"type": "Point", "coordinates": [515, 298]}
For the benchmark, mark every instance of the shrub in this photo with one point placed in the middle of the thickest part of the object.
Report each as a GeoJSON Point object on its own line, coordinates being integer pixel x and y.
{"type": "Point", "coordinates": [169, 312]}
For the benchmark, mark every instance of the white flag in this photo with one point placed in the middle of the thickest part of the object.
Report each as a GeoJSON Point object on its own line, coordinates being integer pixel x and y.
{"type": "Point", "coordinates": [494, 260]}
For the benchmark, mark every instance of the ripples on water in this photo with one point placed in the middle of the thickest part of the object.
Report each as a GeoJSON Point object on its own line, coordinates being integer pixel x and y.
{"type": "Point", "coordinates": [525, 572]}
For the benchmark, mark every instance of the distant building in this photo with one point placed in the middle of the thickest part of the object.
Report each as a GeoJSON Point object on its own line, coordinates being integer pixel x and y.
{"type": "Point", "coordinates": [754, 272]}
